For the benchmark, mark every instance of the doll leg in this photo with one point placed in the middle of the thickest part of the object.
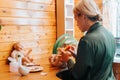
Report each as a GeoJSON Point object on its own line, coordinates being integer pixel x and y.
{"type": "Point", "coordinates": [31, 59]}
{"type": "Point", "coordinates": [25, 60]}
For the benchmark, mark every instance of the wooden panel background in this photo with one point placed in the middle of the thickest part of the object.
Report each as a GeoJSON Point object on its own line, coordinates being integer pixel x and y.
{"type": "Point", "coordinates": [31, 22]}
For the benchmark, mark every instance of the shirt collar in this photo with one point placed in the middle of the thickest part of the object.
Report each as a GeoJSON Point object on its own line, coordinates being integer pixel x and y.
{"type": "Point", "coordinates": [94, 26]}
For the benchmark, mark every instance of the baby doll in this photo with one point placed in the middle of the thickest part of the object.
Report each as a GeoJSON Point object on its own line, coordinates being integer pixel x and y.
{"type": "Point", "coordinates": [18, 51]}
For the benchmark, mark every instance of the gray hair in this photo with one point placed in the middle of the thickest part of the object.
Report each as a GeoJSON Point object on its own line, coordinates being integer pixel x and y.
{"type": "Point", "coordinates": [88, 8]}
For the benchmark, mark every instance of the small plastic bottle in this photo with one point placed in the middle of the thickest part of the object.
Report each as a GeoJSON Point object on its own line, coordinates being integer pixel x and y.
{"type": "Point", "coordinates": [19, 60]}
{"type": "Point", "coordinates": [14, 66]}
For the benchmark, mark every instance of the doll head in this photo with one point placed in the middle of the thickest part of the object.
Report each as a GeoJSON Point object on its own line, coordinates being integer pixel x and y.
{"type": "Point", "coordinates": [17, 46]}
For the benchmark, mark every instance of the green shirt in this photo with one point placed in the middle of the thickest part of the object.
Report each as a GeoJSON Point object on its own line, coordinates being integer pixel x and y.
{"type": "Point", "coordinates": [95, 56]}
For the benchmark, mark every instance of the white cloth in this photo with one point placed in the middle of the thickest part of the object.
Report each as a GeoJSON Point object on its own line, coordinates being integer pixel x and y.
{"type": "Point", "coordinates": [16, 53]}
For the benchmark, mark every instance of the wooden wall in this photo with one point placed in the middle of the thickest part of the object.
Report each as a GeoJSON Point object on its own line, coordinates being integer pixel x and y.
{"type": "Point", "coordinates": [31, 22]}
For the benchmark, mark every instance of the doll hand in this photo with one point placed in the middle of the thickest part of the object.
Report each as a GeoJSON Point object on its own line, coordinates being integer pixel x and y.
{"type": "Point", "coordinates": [65, 55]}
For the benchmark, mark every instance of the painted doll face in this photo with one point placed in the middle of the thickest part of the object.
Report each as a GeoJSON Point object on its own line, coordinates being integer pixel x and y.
{"type": "Point", "coordinates": [18, 46]}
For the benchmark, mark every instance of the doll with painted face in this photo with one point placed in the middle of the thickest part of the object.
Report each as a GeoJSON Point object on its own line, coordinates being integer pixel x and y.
{"type": "Point", "coordinates": [18, 51]}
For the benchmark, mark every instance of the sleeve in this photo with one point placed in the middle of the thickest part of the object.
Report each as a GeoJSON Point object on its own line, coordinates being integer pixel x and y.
{"type": "Point", "coordinates": [83, 60]}
{"type": "Point", "coordinates": [81, 68]}
{"type": "Point", "coordinates": [70, 63]}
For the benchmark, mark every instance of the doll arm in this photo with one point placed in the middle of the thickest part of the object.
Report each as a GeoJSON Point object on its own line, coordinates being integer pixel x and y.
{"type": "Point", "coordinates": [28, 52]}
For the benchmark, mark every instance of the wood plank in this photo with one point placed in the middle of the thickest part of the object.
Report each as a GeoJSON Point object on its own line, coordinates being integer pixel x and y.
{"type": "Point", "coordinates": [6, 12]}
{"type": "Point", "coordinates": [27, 21]}
{"type": "Point", "coordinates": [39, 7]}
{"type": "Point", "coordinates": [11, 30]}
{"type": "Point", "coordinates": [25, 30]}
{"type": "Point", "coordinates": [27, 36]}
{"type": "Point", "coordinates": [7, 46]}
{"type": "Point", "coordinates": [17, 37]}
{"type": "Point", "coordinates": [27, 5]}
{"type": "Point", "coordinates": [4, 55]}
{"type": "Point", "coordinates": [37, 43]}
{"type": "Point", "coordinates": [3, 62]}
{"type": "Point", "coordinates": [40, 1]}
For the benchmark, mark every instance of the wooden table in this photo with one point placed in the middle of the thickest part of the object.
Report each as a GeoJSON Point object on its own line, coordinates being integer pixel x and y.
{"type": "Point", "coordinates": [5, 74]}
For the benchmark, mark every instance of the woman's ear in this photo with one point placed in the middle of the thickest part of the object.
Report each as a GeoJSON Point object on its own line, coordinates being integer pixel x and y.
{"type": "Point", "coordinates": [84, 17]}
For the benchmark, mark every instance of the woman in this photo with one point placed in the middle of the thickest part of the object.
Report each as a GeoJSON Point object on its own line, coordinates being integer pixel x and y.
{"type": "Point", "coordinates": [96, 48]}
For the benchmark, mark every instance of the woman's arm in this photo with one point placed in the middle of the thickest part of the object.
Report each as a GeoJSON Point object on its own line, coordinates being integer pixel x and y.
{"type": "Point", "coordinates": [80, 69]}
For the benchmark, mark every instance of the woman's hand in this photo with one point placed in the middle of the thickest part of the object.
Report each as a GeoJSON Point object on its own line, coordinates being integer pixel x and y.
{"type": "Point", "coordinates": [55, 60]}
{"type": "Point", "coordinates": [65, 54]}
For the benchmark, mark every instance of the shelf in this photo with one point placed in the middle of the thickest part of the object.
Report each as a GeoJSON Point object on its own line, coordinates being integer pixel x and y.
{"type": "Point", "coordinates": [69, 32]}
{"type": "Point", "coordinates": [69, 23]}
{"type": "Point", "coordinates": [69, 17]}
{"type": "Point", "coordinates": [69, 2]}
{"type": "Point", "coordinates": [69, 10]}
{"type": "Point", "coordinates": [68, 29]}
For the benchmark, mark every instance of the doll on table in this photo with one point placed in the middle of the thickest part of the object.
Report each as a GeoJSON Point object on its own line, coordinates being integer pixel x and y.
{"type": "Point", "coordinates": [18, 50]}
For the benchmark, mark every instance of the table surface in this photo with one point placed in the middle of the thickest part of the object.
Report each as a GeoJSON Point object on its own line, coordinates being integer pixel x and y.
{"type": "Point", "coordinates": [5, 74]}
